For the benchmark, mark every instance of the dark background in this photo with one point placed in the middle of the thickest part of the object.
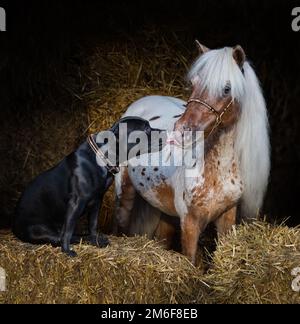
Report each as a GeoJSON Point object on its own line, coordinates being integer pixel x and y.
{"type": "Point", "coordinates": [46, 41]}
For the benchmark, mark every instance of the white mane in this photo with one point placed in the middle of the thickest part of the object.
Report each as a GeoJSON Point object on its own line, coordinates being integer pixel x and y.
{"type": "Point", "coordinates": [214, 69]}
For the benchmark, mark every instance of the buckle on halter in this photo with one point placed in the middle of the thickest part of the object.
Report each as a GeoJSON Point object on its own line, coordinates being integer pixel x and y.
{"type": "Point", "coordinates": [218, 120]}
{"type": "Point", "coordinates": [114, 170]}
{"type": "Point", "coordinates": [108, 165]}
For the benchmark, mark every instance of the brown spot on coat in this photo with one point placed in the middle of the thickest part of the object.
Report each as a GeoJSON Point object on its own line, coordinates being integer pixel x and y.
{"type": "Point", "coordinates": [167, 194]}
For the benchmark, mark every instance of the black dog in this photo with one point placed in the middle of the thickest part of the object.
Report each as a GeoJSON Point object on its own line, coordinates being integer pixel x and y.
{"type": "Point", "coordinates": [49, 209]}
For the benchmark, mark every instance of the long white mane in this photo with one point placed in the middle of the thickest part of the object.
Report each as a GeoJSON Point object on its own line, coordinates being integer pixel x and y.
{"type": "Point", "coordinates": [214, 69]}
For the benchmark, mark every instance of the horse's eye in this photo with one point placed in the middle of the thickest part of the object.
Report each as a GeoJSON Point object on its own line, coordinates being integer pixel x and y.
{"type": "Point", "coordinates": [227, 90]}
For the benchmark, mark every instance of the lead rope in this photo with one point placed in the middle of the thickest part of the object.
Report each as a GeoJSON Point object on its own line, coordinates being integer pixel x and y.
{"type": "Point", "coordinates": [109, 166]}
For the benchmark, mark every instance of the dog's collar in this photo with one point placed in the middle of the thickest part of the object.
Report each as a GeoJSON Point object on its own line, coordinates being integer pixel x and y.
{"type": "Point", "coordinates": [109, 166]}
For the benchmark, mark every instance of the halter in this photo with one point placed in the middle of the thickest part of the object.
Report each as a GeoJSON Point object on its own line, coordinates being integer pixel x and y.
{"type": "Point", "coordinates": [109, 166]}
{"type": "Point", "coordinates": [219, 115]}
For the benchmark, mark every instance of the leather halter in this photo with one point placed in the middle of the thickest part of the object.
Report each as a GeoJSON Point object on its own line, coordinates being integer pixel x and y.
{"type": "Point", "coordinates": [109, 166]}
{"type": "Point", "coordinates": [219, 115]}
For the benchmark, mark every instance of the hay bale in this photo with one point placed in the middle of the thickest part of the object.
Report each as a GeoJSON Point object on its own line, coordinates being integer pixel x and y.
{"type": "Point", "coordinates": [131, 270]}
{"type": "Point", "coordinates": [253, 264]}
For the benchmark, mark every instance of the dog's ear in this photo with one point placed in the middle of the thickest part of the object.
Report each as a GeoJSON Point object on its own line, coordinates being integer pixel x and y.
{"type": "Point", "coordinates": [115, 129]}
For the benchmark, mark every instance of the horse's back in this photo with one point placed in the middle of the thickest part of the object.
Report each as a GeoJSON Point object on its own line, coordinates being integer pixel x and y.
{"type": "Point", "coordinates": [161, 111]}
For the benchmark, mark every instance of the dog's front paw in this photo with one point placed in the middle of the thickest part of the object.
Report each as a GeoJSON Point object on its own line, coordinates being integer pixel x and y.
{"type": "Point", "coordinates": [103, 241]}
{"type": "Point", "coordinates": [100, 240]}
{"type": "Point", "coordinates": [70, 253]}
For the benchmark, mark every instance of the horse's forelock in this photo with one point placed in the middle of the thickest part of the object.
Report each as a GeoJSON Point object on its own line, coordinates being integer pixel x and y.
{"type": "Point", "coordinates": [214, 69]}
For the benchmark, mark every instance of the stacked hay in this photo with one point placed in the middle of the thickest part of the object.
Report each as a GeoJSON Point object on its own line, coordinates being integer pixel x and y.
{"type": "Point", "coordinates": [253, 264]}
{"type": "Point", "coordinates": [131, 270]}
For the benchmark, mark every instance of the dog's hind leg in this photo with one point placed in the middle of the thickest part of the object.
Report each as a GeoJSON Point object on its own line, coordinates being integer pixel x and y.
{"type": "Point", "coordinates": [41, 234]}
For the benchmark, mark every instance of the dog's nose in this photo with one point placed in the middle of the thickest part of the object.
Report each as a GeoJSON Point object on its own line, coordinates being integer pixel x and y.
{"type": "Point", "coordinates": [174, 138]}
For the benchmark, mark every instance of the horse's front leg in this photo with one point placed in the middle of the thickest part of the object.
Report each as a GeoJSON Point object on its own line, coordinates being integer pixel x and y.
{"type": "Point", "coordinates": [191, 228]}
{"type": "Point", "coordinates": [226, 221]}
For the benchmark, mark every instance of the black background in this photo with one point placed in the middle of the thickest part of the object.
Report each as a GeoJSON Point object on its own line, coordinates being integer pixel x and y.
{"type": "Point", "coordinates": [44, 34]}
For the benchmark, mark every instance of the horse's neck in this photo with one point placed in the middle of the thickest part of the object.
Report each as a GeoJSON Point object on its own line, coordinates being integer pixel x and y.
{"type": "Point", "coordinates": [219, 151]}
{"type": "Point", "coordinates": [219, 160]}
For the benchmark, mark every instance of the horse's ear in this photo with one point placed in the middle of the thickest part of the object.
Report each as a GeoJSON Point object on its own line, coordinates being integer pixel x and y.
{"type": "Point", "coordinates": [201, 48]}
{"type": "Point", "coordinates": [239, 55]}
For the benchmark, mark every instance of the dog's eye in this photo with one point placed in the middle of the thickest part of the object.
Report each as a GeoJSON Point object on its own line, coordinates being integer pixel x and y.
{"type": "Point", "coordinates": [227, 89]}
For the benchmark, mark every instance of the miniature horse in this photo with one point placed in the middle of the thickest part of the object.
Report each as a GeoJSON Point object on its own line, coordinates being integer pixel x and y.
{"type": "Point", "coordinates": [52, 203]}
{"type": "Point", "coordinates": [228, 106]}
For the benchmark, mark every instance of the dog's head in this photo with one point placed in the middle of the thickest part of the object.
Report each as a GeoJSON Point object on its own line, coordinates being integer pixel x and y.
{"type": "Point", "coordinates": [139, 136]}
